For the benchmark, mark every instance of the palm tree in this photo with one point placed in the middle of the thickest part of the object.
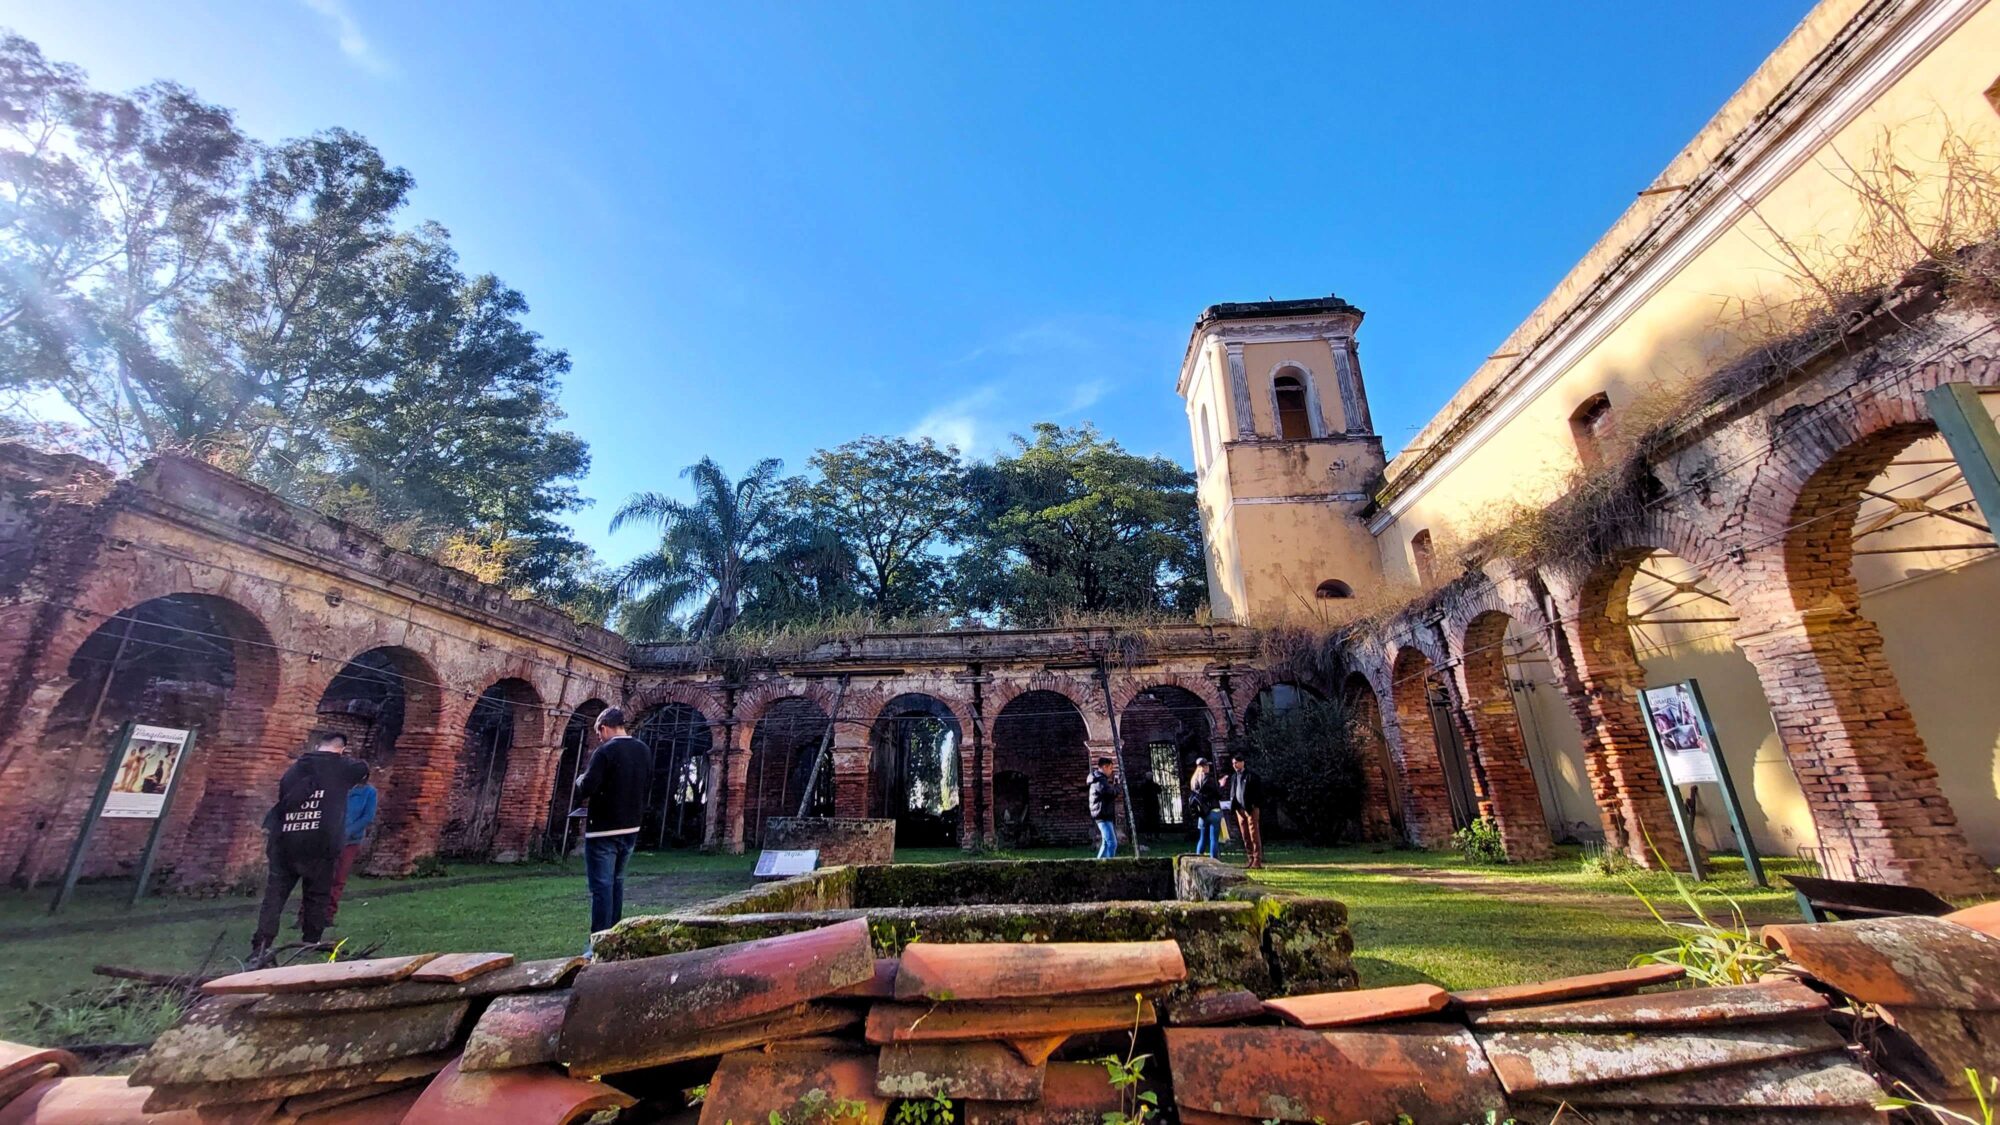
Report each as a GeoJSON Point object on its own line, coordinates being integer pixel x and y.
{"type": "Point", "coordinates": [713, 549]}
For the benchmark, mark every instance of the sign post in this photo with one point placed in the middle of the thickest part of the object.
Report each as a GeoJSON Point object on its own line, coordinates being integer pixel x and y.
{"type": "Point", "coordinates": [1684, 744]}
{"type": "Point", "coordinates": [138, 784]}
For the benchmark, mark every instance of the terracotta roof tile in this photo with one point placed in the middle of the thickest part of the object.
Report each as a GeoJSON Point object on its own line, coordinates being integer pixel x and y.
{"type": "Point", "coordinates": [521, 1030]}
{"type": "Point", "coordinates": [1368, 1005]}
{"type": "Point", "coordinates": [457, 968]}
{"type": "Point", "coordinates": [750, 1085]}
{"type": "Point", "coordinates": [316, 976]}
{"type": "Point", "coordinates": [1915, 961]}
{"type": "Point", "coordinates": [1432, 1071]}
{"type": "Point", "coordinates": [959, 1021]}
{"type": "Point", "coordinates": [532, 1095]}
{"type": "Point", "coordinates": [1820, 1081]}
{"type": "Point", "coordinates": [802, 1020]}
{"type": "Point", "coordinates": [1019, 971]}
{"type": "Point", "coordinates": [1528, 1061]}
{"type": "Point", "coordinates": [988, 1072]}
{"type": "Point", "coordinates": [1213, 1008]}
{"type": "Point", "coordinates": [625, 1010]}
{"type": "Point", "coordinates": [881, 986]}
{"type": "Point", "coordinates": [1690, 1007]}
{"type": "Point", "coordinates": [216, 1043]}
{"type": "Point", "coordinates": [1569, 988]}
{"type": "Point", "coordinates": [1985, 918]}
{"type": "Point", "coordinates": [380, 1109]}
{"type": "Point", "coordinates": [528, 976]}
{"type": "Point", "coordinates": [257, 1089]}
{"type": "Point", "coordinates": [102, 1100]}
{"type": "Point", "coordinates": [1072, 1094]}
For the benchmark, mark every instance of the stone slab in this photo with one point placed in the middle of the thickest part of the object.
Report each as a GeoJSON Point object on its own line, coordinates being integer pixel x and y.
{"type": "Point", "coordinates": [1817, 1082]}
{"type": "Point", "coordinates": [750, 1086]}
{"type": "Point", "coordinates": [520, 1030]}
{"type": "Point", "coordinates": [317, 976]}
{"type": "Point", "coordinates": [1433, 1072]}
{"type": "Point", "coordinates": [1528, 1061]}
{"type": "Point", "coordinates": [1692, 1007]}
{"type": "Point", "coordinates": [106, 1100]}
{"type": "Point", "coordinates": [528, 976]}
{"type": "Point", "coordinates": [1570, 988]}
{"type": "Point", "coordinates": [457, 968]}
{"type": "Point", "coordinates": [801, 1021]}
{"type": "Point", "coordinates": [543, 1095]}
{"type": "Point", "coordinates": [1072, 1094]}
{"type": "Point", "coordinates": [1022, 970]}
{"type": "Point", "coordinates": [956, 1022]}
{"type": "Point", "coordinates": [1368, 1005]}
{"type": "Point", "coordinates": [1910, 961]}
{"type": "Point", "coordinates": [989, 1072]}
{"type": "Point", "coordinates": [258, 1089]}
{"type": "Point", "coordinates": [624, 1010]}
{"type": "Point", "coordinates": [216, 1043]}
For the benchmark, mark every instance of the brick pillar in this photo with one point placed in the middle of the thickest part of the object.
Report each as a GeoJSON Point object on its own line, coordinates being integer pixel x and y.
{"type": "Point", "coordinates": [527, 788]}
{"type": "Point", "coordinates": [1510, 796]}
{"type": "Point", "coordinates": [244, 759]}
{"type": "Point", "coordinates": [731, 783]}
{"type": "Point", "coordinates": [851, 755]}
{"type": "Point", "coordinates": [416, 804]}
{"type": "Point", "coordinates": [1599, 676]}
{"type": "Point", "coordinates": [1406, 726]}
{"type": "Point", "coordinates": [1854, 746]}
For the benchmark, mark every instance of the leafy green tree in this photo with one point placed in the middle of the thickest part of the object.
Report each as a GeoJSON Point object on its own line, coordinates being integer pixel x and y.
{"type": "Point", "coordinates": [1310, 759]}
{"type": "Point", "coordinates": [183, 288]}
{"type": "Point", "coordinates": [1073, 522]}
{"type": "Point", "coordinates": [892, 501]}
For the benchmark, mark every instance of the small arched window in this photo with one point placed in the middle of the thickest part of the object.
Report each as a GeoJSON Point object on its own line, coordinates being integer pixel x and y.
{"type": "Point", "coordinates": [1423, 556]}
{"type": "Point", "coordinates": [1592, 425]}
{"type": "Point", "coordinates": [1207, 443]}
{"type": "Point", "coordinates": [1334, 588]}
{"type": "Point", "coordinates": [1294, 420]}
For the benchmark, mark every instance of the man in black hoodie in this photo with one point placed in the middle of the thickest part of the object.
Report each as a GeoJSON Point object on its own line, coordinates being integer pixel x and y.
{"type": "Point", "coordinates": [614, 784]}
{"type": "Point", "coordinates": [304, 833]}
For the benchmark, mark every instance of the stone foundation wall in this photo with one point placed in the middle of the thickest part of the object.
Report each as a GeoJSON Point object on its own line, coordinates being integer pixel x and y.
{"type": "Point", "coordinates": [839, 840]}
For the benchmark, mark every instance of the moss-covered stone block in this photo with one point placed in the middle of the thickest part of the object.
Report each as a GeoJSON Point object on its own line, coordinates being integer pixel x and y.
{"type": "Point", "coordinates": [994, 882]}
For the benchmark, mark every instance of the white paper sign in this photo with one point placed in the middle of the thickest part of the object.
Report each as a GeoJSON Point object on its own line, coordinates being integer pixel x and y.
{"type": "Point", "coordinates": [1682, 732]}
{"type": "Point", "coordinates": [145, 773]}
{"type": "Point", "coordinates": [780, 864]}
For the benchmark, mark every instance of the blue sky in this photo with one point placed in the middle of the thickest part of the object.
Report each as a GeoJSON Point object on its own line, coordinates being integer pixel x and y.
{"type": "Point", "coordinates": [760, 229]}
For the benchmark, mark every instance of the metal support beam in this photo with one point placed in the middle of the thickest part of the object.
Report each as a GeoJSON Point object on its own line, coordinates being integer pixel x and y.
{"type": "Point", "coordinates": [1975, 442]}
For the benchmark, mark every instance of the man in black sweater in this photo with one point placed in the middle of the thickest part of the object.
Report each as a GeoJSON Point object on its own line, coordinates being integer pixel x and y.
{"type": "Point", "coordinates": [614, 785]}
{"type": "Point", "coordinates": [305, 831]}
{"type": "Point", "coordinates": [1246, 797]}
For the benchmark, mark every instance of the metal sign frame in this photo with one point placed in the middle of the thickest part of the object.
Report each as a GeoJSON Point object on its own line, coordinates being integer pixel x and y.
{"type": "Point", "coordinates": [1752, 862]}
{"type": "Point", "coordinates": [84, 831]}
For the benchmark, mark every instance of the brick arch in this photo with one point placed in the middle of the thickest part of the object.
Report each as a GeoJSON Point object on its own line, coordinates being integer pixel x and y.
{"type": "Point", "coordinates": [53, 758]}
{"type": "Point", "coordinates": [657, 695]}
{"type": "Point", "coordinates": [1513, 800]}
{"type": "Point", "coordinates": [865, 798]}
{"type": "Point", "coordinates": [1382, 816]}
{"type": "Point", "coordinates": [1079, 693]}
{"type": "Point", "coordinates": [1051, 806]}
{"type": "Point", "coordinates": [1197, 685]}
{"type": "Point", "coordinates": [752, 704]}
{"type": "Point", "coordinates": [488, 797]}
{"type": "Point", "coordinates": [1841, 714]}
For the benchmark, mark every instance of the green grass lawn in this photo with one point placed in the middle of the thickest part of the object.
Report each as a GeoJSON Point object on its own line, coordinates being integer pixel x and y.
{"type": "Point", "coordinates": [1404, 930]}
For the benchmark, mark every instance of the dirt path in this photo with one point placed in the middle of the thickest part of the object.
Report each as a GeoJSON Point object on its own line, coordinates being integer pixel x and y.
{"type": "Point", "coordinates": [1553, 894]}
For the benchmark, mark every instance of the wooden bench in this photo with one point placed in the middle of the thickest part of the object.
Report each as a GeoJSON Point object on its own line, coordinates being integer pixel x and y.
{"type": "Point", "coordinates": [1820, 899]}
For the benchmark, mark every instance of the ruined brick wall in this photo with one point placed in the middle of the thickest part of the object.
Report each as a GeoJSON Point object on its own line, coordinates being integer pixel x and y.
{"type": "Point", "coordinates": [1757, 492]}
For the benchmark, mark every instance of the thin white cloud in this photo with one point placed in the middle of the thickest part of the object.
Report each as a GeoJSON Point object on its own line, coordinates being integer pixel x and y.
{"type": "Point", "coordinates": [960, 422]}
{"type": "Point", "coordinates": [347, 33]}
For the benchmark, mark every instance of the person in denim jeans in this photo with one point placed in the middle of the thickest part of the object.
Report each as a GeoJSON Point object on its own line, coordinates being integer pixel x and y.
{"type": "Point", "coordinates": [614, 785]}
{"type": "Point", "coordinates": [1102, 806]}
{"type": "Point", "coordinates": [1205, 802]}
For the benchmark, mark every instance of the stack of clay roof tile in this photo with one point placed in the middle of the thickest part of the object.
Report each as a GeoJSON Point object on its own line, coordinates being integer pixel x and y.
{"type": "Point", "coordinates": [1594, 1044]}
{"type": "Point", "coordinates": [814, 1016]}
{"type": "Point", "coordinates": [1935, 981]}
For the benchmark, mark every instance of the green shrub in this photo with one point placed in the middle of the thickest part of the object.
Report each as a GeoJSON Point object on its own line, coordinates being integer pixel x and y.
{"type": "Point", "coordinates": [1600, 860]}
{"type": "Point", "coordinates": [1479, 842]}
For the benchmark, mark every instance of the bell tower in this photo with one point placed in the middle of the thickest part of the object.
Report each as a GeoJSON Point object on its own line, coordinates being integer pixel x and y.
{"type": "Point", "coordinates": [1284, 455]}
